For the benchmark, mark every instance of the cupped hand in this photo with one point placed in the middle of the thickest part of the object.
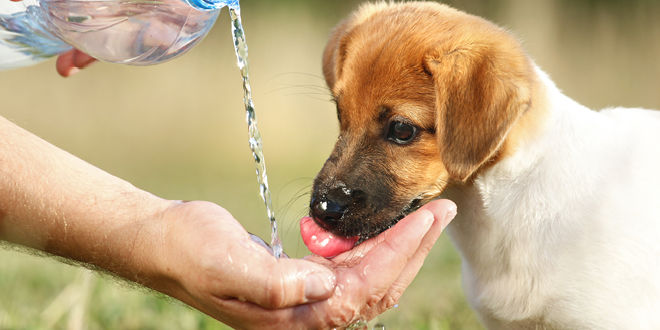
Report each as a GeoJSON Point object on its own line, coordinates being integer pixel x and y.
{"type": "Point", "coordinates": [209, 262]}
{"type": "Point", "coordinates": [373, 276]}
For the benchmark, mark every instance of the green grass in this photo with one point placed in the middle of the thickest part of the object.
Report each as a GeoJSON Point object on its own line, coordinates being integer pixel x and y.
{"type": "Point", "coordinates": [39, 293]}
{"type": "Point", "coordinates": [42, 294]}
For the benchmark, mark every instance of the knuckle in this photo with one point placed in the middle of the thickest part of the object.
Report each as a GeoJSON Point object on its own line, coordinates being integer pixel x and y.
{"type": "Point", "coordinates": [389, 302]}
{"type": "Point", "coordinates": [343, 316]}
{"type": "Point", "coordinates": [373, 301]}
{"type": "Point", "coordinates": [275, 293]}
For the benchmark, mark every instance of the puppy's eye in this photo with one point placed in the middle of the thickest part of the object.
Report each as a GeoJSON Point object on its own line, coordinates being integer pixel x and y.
{"type": "Point", "coordinates": [401, 133]}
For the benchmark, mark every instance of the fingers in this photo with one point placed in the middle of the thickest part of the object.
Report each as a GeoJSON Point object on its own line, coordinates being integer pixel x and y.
{"type": "Point", "coordinates": [361, 288]}
{"type": "Point", "coordinates": [72, 61]}
{"type": "Point", "coordinates": [387, 266]}
{"type": "Point", "coordinates": [64, 64]}
{"type": "Point", "coordinates": [82, 60]}
{"type": "Point", "coordinates": [393, 261]}
{"type": "Point", "coordinates": [281, 283]}
{"type": "Point", "coordinates": [246, 315]}
{"type": "Point", "coordinates": [443, 211]}
{"type": "Point", "coordinates": [383, 264]}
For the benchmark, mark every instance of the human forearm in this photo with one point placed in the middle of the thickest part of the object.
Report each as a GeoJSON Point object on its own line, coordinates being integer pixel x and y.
{"type": "Point", "coordinates": [54, 202]}
{"type": "Point", "coordinates": [197, 252]}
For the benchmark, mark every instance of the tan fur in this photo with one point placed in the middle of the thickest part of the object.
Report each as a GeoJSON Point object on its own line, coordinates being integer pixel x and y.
{"type": "Point", "coordinates": [553, 198]}
{"type": "Point", "coordinates": [458, 74]}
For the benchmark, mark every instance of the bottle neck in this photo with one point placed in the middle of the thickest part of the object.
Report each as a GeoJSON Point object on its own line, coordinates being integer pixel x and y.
{"type": "Point", "coordinates": [212, 4]}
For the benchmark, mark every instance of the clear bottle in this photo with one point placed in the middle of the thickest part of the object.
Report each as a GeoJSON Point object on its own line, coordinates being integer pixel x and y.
{"type": "Point", "coordinates": [135, 32]}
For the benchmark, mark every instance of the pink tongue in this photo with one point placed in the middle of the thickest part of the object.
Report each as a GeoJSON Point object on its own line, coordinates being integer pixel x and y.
{"type": "Point", "coordinates": [322, 242]}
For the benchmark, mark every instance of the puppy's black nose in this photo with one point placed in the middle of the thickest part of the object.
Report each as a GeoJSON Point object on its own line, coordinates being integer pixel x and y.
{"type": "Point", "coordinates": [327, 211]}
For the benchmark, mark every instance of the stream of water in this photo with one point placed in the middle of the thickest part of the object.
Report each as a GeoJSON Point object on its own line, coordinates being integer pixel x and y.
{"type": "Point", "coordinates": [254, 136]}
{"type": "Point", "coordinates": [256, 143]}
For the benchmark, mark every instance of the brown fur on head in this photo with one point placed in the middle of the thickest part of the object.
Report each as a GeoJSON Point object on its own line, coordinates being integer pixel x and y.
{"type": "Point", "coordinates": [461, 81]}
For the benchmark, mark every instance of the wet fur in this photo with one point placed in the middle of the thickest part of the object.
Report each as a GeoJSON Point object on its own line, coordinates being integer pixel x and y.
{"type": "Point", "coordinates": [559, 216]}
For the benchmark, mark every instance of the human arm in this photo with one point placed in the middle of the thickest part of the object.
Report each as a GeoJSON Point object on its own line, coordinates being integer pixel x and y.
{"type": "Point", "coordinates": [54, 202]}
{"type": "Point", "coordinates": [197, 252]}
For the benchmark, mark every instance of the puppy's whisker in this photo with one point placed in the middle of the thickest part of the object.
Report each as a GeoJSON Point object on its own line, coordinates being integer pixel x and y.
{"type": "Point", "coordinates": [312, 91]}
{"type": "Point", "coordinates": [304, 188]}
{"type": "Point", "coordinates": [310, 96]}
{"type": "Point", "coordinates": [296, 73]}
{"type": "Point", "coordinates": [300, 213]}
{"type": "Point", "coordinates": [312, 87]}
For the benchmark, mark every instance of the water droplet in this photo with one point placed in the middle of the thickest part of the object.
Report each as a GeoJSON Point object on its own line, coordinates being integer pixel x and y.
{"type": "Point", "coordinates": [379, 326]}
{"type": "Point", "coordinates": [359, 325]}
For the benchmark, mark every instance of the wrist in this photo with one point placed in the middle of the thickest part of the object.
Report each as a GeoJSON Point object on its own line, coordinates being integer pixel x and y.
{"type": "Point", "coordinates": [121, 235]}
{"type": "Point", "coordinates": [153, 257]}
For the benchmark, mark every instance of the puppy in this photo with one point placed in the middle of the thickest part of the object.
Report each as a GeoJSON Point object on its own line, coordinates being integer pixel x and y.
{"type": "Point", "coordinates": [559, 206]}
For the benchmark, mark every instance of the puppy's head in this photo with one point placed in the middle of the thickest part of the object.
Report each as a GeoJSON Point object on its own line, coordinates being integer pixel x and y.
{"type": "Point", "coordinates": [426, 96]}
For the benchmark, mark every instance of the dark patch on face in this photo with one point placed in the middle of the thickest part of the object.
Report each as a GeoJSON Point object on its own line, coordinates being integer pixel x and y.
{"type": "Point", "coordinates": [355, 193]}
{"type": "Point", "coordinates": [375, 175]}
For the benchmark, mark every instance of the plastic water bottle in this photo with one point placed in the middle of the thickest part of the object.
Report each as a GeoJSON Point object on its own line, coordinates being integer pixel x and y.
{"type": "Point", "coordinates": [136, 32]}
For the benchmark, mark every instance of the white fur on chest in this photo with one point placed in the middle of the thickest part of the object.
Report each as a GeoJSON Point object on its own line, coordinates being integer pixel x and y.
{"type": "Point", "coordinates": [565, 233]}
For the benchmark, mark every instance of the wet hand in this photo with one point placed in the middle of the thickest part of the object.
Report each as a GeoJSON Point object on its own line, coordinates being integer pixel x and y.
{"type": "Point", "coordinates": [209, 261]}
{"type": "Point", "coordinates": [220, 271]}
{"type": "Point", "coordinates": [372, 276]}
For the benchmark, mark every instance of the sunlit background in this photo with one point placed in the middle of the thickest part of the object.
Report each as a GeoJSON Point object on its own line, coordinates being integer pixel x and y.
{"type": "Point", "coordinates": [178, 130]}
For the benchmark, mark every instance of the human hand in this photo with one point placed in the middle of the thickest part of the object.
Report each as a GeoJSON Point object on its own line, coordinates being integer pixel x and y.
{"type": "Point", "coordinates": [72, 61]}
{"type": "Point", "coordinates": [214, 266]}
{"type": "Point", "coordinates": [373, 276]}
{"type": "Point", "coordinates": [210, 262]}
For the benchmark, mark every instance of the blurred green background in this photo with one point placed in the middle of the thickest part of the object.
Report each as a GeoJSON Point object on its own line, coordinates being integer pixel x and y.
{"type": "Point", "coordinates": [178, 130]}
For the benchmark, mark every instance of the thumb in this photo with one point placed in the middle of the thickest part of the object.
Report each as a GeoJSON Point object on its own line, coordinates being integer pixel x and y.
{"type": "Point", "coordinates": [281, 283]}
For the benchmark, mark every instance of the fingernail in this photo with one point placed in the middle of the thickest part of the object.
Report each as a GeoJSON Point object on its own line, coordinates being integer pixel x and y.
{"type": "Point", "coordinates": [451, 213]}
{"type": "Point", "coordinates": [319, 285]}
{"type": "Point", "coordinates": [70, 72]}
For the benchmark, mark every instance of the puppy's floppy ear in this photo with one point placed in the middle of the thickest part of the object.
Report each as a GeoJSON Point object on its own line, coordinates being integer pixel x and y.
{"type": "Point", "coordinates": [335, 52]}
{"type": "Point", "coordinates": [482, 89]}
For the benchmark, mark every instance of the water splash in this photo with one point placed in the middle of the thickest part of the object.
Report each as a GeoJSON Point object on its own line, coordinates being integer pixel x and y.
{"type": "Point", "coordinates": [359, 325]}
{"type": "Point", "coordinates": [364, 325]}
{"type": "Point", "coordinates": [255, 141]}
{"type": "Point", "coordinates": [379, 326]}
